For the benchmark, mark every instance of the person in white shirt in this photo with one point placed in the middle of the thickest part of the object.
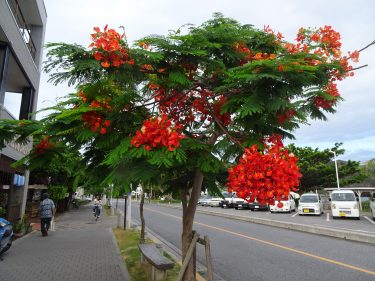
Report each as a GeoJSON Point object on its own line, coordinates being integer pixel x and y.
{"type": "Point", "coordinates": [97, 207]}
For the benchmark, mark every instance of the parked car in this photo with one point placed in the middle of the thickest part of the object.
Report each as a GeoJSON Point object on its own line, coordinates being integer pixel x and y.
{"type": "Point", "coordinates": [257, 206]}
{"type": "Point", "coordinates": [372, 206]}
{"type": "Point", "coordinates": [240, 203]}
{"type": "Point", "coordinates": [310, 204]}
{"type": "Point", "coordinates": [245, 204]}
{"type": "Point", "coordinates": [214, 201]}
{"type": "Point", "coordinates": [228, 199]}
{"type": "Point", "coordinates": [289, 205]}
{"type": "Point", "coordinates": [203, 200]}
{"type": "Point", "coordinates": [344, 204]}
{"type": "Point", "coordinates": [6, 235]}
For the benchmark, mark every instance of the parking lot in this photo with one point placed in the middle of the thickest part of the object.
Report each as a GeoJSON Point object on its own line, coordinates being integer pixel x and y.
{"type": "Point", "coordinates": [364, 225]}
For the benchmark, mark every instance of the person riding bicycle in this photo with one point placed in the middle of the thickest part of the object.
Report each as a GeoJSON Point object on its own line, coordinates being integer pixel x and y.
{"type": "Point", "coordinates": [97, 207]}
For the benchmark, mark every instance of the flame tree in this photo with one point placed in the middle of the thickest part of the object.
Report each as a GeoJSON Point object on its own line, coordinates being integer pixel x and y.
{"type": "Point", "coordinates": [177, 110]}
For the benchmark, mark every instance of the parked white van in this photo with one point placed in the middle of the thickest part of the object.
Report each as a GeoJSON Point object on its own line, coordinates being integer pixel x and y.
{"type": "Point", "coordinates": [344, 204]}
{"type": "Point", "coordinates": [310, 204]}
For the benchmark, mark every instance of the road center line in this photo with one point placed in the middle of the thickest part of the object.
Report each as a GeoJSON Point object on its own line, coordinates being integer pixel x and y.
{"type": "Point", "coordinates": [327, 217]}
{"type": "Point", "coordinates": [274, 245]}
{"type": "Point", "coordinates": [370, 220]}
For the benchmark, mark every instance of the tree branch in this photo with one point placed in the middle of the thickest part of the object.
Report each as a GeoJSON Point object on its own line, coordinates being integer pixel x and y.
{"type": "Point", "coordinates": [364, 48]}
{"type": "Point", "coordinates": [359, 67]}
{"type": "Point", "coordinates": [219, 123]}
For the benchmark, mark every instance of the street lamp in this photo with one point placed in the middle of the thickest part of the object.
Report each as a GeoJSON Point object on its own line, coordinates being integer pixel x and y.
{"type": "Point", "coordinates": [337, 171]}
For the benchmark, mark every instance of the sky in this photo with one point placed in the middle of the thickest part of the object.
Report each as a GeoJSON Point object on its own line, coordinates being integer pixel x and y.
{"type": "Point", "coordinates": [353, 124]}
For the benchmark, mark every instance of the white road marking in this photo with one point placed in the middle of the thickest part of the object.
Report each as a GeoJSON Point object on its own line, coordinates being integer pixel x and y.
{"type": "Point", "coordinates": [327, 217]}
{"type": "Point", "coordinates": [295, 214]}
{"type": "Point", "coordinates": [370, 220]}
{"type": "Point", "coordinates": [355, 230]}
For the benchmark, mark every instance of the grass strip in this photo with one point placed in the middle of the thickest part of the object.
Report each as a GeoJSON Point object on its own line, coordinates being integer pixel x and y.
{"type": "Point", "coordinates": [128, 241]}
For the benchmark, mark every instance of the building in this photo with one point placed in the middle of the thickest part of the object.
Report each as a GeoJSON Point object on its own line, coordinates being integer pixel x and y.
{"type": "Point", "coordinates": [22, 29]}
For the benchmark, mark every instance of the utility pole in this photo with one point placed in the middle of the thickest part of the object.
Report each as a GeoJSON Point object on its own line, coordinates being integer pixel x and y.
{"type": "Point", "coordinates": [337, 171]}
{"type": "Point", "coordinates": [125, 207]}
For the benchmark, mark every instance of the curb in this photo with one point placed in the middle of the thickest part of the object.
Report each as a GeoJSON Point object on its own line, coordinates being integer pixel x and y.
{"type": "Point", "coordinates": [121, 262]}
{"type": "Point", "coordinates": [347, 235]}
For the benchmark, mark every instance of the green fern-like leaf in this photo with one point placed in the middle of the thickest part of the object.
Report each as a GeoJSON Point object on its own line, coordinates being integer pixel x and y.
{"type": "Point", "coordinates": [119, 152]}
{"type": "Point", "coordinates": [161, 158]}
{"type": "Point", "coordinates": [178, 77]}
{"type": "Point", "coordinates": [209, 164]}
{"type": "Point", "coordinates": [251, 106]}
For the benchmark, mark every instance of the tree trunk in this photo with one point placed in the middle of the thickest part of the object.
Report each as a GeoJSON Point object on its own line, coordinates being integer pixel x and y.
{"type": "Point", "coordinates": [189, 206]}
{"type": "Point", "coordinates": [142, 217]}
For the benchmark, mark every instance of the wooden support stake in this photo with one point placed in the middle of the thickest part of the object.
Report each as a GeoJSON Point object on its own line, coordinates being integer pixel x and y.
{"type": "Point", "coordinates": [208, 259]}
{"type": "Point", "coordinates": [188, 256]}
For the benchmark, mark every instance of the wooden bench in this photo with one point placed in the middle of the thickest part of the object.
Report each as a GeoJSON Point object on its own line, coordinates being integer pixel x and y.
{"type": "Point", "coordinates": [159, 264]}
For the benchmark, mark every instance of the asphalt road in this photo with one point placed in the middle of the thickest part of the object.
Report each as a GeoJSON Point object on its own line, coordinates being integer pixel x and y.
{"type": "Point", "coordinates": [365, 224]}
{"type": "Point", "coordinates": [246, 251]}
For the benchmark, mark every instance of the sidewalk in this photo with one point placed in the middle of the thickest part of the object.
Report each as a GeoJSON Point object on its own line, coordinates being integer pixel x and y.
{"type": "Point", "coordinates": [80, 249]}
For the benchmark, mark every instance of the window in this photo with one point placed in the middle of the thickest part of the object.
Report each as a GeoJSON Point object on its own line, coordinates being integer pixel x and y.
{"type": "Point", "coordinates": [309, 199]}
{"type": "Point", "coordinates": [343, 197]}
{"type": "Point", "coordinates": [12, 103]}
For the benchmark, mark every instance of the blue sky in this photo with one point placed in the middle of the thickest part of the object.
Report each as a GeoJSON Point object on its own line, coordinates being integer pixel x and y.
{"type": "Point", "coordinates": [353, 124]}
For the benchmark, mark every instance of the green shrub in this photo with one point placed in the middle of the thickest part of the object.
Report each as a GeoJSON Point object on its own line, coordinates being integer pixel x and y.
{"type": "Point", "coordinates": [22, 225]}
{"type": "Point", "coordinates": [2, 212]}
{"type": "Point", "coordinates": [57, 192]}
{"type": "Point", "coordinates": [366, 206]}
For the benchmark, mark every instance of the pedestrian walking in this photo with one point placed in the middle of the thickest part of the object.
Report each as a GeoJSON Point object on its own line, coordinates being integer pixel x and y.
{"type": "Point", "coordinates": [47, 211]}
{"type": "Point", "coordinates": [97, 207]}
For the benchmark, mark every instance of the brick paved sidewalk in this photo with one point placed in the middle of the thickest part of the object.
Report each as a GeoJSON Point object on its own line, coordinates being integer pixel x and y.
{"type": "Point", "coordinates": [80, 249]}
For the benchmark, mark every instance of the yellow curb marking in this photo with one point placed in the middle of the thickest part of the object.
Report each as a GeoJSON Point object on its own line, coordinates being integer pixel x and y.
{"type": "Point", "coordinates": [276, 245]}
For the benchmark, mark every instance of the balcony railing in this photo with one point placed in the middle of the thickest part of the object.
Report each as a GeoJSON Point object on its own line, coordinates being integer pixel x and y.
{"type": "Point", "coordinates": [24, 28]}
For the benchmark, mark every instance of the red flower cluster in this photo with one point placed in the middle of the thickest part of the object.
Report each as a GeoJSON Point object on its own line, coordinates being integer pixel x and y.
{"type": "Point", "coordinates": [43, 146]}
{"type": "Point", "coordinates": [190, 106]}
{"type": "Point", "coordinates": [279, 36]}
{"type": "Point", "coordinates": [225, 118]}
{"type": "Point", "coordinates": [96, 122]}
{"type": "Point", "coordinates": [249, 55]}
{"type": "Point", "coordinates": [265, 176]}
{"type": "Point", "coordinates": [96, 119]}
{"type": "Point", "coordinates": [82, 96]}
{"type": "Point", "coordinates": [286, 116]}
{"type": "Point", "coordinates": [333, 93]}
{"type": "Point", "coordinates": [324, 42]}
{"type": "Point", "coordinates": [158, 132]}
{"type": "Point", "coordinates": [108, 49]}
